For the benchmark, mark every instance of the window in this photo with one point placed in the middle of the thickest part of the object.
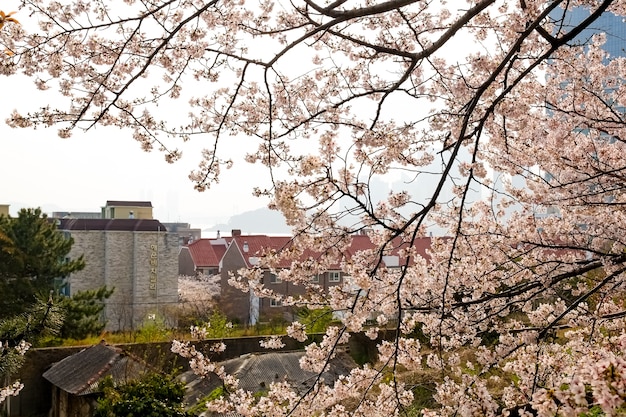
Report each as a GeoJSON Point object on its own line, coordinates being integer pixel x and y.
{"type": "Point", "coordinates": [274, 279]}
{"type": "Point", "coordinates": [62, 286]}
{"type": "Point", "coordinates": [315, 278]}
{"type": "Point", "coordinates": [334, 276]}
{"type": "Point", "coordinates": [275, 303]}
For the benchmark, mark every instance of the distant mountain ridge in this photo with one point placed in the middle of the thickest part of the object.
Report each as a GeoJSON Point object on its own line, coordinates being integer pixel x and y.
{"type": "Point", "coordinates": [259, 221]}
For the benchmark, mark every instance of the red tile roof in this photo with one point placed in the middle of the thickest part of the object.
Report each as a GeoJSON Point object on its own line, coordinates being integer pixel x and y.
{"type": "Point", "coordinates": [206, 253]}
{"type": "Point", "coordinates": [359, 243]}
{"type": "Point", "coordinates": [257, 245]}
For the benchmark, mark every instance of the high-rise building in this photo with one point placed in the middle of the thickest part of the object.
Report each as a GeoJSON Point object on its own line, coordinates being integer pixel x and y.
{"type": "Point", "coordinates": [614, 29]}
{"type": "Point", "coordinates": [611, 25]}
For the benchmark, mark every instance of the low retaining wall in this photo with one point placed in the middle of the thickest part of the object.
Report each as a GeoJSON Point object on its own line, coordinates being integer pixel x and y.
{"type": "Point", "coordinates": [35, 399]}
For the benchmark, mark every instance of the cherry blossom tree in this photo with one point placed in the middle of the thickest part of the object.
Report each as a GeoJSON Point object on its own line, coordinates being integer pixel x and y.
{"type": "Point", "coordinates": [16, 335]}
{"type": "Point", "coordinates": [493, 112]}
{"type": "Point", "coordinates": [198, 295]}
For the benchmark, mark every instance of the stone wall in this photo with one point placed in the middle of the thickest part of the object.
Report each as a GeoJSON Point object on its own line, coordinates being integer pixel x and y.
{"type": "Point", "coordinates": [141, 266]}
{"type": "Point", "coordinates": [35, 399]}
{"type": "Point", "coordinates": [90, 244]}
{"type": "Point", "coordinates": [155, 281]}
{"type": "Point", "coordinates": [119, 273]}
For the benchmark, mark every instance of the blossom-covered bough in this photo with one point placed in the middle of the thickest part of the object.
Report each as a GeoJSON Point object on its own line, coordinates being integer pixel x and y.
{"type": "Point", "coordinates": [504, 119]}
{"type": "Point", "coordinates": [14, 333]}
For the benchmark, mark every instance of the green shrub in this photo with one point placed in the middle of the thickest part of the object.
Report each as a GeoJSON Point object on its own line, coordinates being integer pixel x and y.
{"type": "Point", "coordinates": [153, 331]}
{"type": "Point", "coordinates": [153, 395]}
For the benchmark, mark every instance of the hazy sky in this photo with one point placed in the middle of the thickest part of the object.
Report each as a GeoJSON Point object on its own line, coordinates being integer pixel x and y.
{"type": "Point", "coordinates": [39, 169]}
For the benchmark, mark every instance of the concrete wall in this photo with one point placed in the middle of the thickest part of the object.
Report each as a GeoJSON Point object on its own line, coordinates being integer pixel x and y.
{"type": "Point", "coordinates": [185, 262]}
{"type": "Point", "coordinates": [141, 266]}
{"type": "Point", "coordinates": [90, 244]}
{"type": "Point", "coordinates": [119, 273]}
{"type": "Point", "coordinates": [155, 277]}
{"type": "Point", "coordinates": [35, 400]}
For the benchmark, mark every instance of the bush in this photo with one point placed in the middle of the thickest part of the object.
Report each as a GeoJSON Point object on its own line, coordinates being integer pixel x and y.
{"type": "Point", "coordinates": [154, 395]}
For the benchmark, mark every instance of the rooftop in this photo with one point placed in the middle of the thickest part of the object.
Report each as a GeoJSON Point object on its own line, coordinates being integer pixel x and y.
{"type": "Point", "coordinates": [80, 374]}
{"type": "Point", "coordinates": [256, 371]}
{"type": "Point", "coordinates": [133, 225]}
{"type": "Point", "coordinates": [120, 203]}
{"type": "Point", "coordinates": [209, 252]}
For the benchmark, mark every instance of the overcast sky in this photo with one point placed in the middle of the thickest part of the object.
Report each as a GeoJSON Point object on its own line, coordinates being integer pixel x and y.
{"type": "Point", "coordinates": [39, 169]}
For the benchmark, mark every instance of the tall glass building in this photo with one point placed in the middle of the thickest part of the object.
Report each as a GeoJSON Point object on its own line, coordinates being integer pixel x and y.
{"type": "Point", "coordinates": [613, 26]}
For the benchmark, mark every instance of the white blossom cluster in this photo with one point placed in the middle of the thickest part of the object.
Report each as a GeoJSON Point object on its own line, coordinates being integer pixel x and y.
{"type": "Point", "coordinates": [10, 391]}
{"type": "Point", "coordinates": [13, 389]}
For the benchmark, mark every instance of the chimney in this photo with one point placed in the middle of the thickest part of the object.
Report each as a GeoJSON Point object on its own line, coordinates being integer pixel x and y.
{"type": "Point", "coordinates": [235, 232]}
{"type": "Point", "coordinates": [246, 248]}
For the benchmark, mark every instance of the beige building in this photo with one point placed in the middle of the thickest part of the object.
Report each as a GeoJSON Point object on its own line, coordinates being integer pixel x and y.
{"type": "Point", "coordinates": [137, 257]}
{"type": "Point", "coordinates": [4, 209]}
{"type": "Point", "coordinates": [127, 210]}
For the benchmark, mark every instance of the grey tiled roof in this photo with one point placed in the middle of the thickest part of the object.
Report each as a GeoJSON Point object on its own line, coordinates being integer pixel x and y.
{"type": "Point", "coordinates": [257, 371]}
{"type": "Point", "coordinates": [79, 374]}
